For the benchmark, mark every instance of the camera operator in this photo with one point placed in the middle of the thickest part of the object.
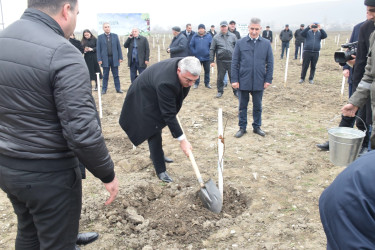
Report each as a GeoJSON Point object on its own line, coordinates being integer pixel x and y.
{"type": "Point", "coordinates": [313, 35]}
{"type": "Point", "coordinates": [364, 31]}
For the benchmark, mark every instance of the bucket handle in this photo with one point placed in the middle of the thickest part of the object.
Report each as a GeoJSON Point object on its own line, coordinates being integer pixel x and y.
{"type": "Point", "coordinates": [362, 122]}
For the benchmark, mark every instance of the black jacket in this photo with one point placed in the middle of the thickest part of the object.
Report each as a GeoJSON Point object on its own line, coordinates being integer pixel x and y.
{"type": "Point", "coordinates": [363, 47]}
{"type": "Point", "coordinates": [179, 46]}
{"type": "Point", "coordinates": [236, 33]}
{"type": "Point", "coordinates": [47, 111]}
{"type": "Point", "coordinates": [152, 102]}
{"type": "Point", "coordinates": [143, 50]}
{"type": "Point", "coordinates": [77, 44]}
{"type": "Point", "coordinates": [192, 33]}
{"type": "Point", "coordinates": [299, 38]}
{"type": "Point", "coordinates": [269, 37]}
{"type": "Point", "coordinates": [286, 35]}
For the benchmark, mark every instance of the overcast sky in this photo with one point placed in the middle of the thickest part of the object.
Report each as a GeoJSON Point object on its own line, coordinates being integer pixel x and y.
{"type": "Point", "coordinates": [168, 13]}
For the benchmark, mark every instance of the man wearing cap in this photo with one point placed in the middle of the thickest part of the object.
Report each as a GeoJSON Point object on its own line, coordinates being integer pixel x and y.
{"type": "Point", "coordinates": [232, 28]}
{"type": "Point", "coordinates": [299, 40]}
{"type": "Point", "coordinates": [200, 47]}
{"type": "Point", "coordinates": [285, 36]}
{"type": "Point", "coordinates": [179, 45]}
{"type": "Point", "coordinates": [267, 34]}
{"type": "Point", "coordinates": [313, 34]}
{"type": "Point", "coordinates": [252, 73]}
{"type": "Point", "coordinates": [189, 33]}
{"type": "Point", "coordinates": [212, 31]}
{"type": "Point", "coordinates": [222, 46]}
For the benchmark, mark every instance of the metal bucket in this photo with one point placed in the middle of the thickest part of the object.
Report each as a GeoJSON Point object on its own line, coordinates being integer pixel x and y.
{"type": "Point", "coordinates": [344, 145]}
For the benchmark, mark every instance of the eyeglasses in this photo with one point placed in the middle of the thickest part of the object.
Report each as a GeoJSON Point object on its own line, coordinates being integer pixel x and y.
{"type": "Point", "coordinates": [188, 80]}
{"type": "Point", "coordinates": [254, 29]}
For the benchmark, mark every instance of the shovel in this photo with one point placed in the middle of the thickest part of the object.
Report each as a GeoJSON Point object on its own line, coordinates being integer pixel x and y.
{"type": "Point", "coordinates": [209, 193]}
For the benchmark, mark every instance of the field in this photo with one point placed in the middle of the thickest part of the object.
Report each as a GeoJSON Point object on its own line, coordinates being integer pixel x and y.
{"type": "Point", "coordinates": [272, 184]}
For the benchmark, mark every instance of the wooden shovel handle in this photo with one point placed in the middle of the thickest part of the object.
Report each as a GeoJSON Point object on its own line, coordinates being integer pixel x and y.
{"type": "Point", "coordinates": [192, 159]}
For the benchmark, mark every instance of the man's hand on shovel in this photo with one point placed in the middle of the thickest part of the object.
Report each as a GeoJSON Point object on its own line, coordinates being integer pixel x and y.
{"type": "Point", "coordinates": [186, 146]}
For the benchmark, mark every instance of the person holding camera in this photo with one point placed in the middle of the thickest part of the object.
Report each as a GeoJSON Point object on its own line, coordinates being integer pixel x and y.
{"type": "Point", "coordinates": [138, 53]}
{"type": "Point", "coordinates": [313, 35]}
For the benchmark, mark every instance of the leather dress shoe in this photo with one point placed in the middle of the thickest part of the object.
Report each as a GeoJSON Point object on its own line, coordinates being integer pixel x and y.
{"type": "Point", "coordinates": [240, 133]}
{"type": "Point", "coordinates": [120, 91]}
{"type": "Point", "coordinates": [323, 146]}
{"type": "Point", "coordinates": [104, 92]}
{"type": "Point", "coordinates": [311, 81]}
{"type": "Point", "coordinates": [219, 95]}
{"type": "Point", "coordinates": [165, 177]}
{"type": "Point", "coordinates": [86, 238]}
{"type": "Point", "coordinates": [301, 81]}
{"type": "Point", "coordinates": [195, 86]}
{"type": "Point", "coordinates": [208, 86]}
{"type": "Point", "coordinates": [168, 160]}
{"type": "Point", "coordinates": [259, 131]}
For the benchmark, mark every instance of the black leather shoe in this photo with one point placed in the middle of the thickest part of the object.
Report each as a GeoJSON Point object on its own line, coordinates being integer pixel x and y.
{"type": "Point", "coordinates": [219, 95]}
{"type": "Point", "coordinates": [168, 160]}
{"type": "Point", "coordinates": [259, 131]}
{"type": "Point", "coordinates": [165, 177]}
{"type": "Point", "coordinates": [104, 92]}
{"type": "Point", "coordinates": [301, 81]}
{"type": "Point", "coordinates": [86, 238]}
{"type": "Point", "coordinates": [323, 146]}
{"type": "Point", "coordinates": [195, 86]}
{"type": "Point", "coordinates": [311, 81]}
{"type": "Point", "coordinates": [120, 91]}
{"type": "Point", "coordinates": [240, 133]}
{"type": "Point", "coordinates": [208, 86]}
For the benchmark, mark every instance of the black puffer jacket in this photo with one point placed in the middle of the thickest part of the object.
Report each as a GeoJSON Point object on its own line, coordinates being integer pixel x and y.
{"type": "Point", "coordinates": [46, 107]}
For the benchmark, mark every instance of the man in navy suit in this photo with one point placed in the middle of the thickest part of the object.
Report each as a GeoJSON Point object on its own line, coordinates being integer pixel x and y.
{"type": "Point", "coordinates": [109, 55]}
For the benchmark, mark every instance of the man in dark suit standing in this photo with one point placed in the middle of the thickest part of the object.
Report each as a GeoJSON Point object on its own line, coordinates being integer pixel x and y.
{"type": "Point", "coordinates": [109, 55]}
{"type": "Point", "coordinates": [153, 101]}
{"type": "Point", "coordinates": [267, 34]}
{"type": "Point", "coordinates": [189, 33]}
{"type": "Point", "coordinates": [138, 53]}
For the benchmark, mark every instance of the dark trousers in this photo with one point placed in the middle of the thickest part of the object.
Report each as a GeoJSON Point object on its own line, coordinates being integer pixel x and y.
{"type": "Point", "coordinates": [157, 153]}
{"type": "Point", "coordinates": [297, 50]}
{"type": "Point", "coordinates": [134, 67]}
{"type": "Point", "coordinates": [115, 75]}
{"type": "Point", "coordinates": [309, 58]}
{"type": "Point", "coordinates": [244, 97]}
{"type": "Point", "coordinates": [47, 205]}
{"type": "Point", "coordinates": [284, 46]}
{"type": "Point", "coordinates": [206, 67]}
{"type": "Point", "coordinates": [222, 68]}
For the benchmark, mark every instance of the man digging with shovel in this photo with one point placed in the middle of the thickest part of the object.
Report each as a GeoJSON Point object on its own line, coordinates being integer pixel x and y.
{"type": "Point", "coordinates": [153, 101]}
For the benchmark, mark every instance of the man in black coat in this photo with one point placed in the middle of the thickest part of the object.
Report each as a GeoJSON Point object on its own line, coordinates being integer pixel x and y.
{"type": "Point", "coordinates": [189, 33]}
{"type": "Point", "coordinates": [153, 101]}
{"type": "Point", "coordinates": [48, 124]}
{"type": "Point", "coordinates": [299, 40]}
{"type": "Point", "coordinates": [138, 53]}
{"type": "Point", "coordinates": [267, 34]}
{"type": "Point", "coordinates": [179, 46]}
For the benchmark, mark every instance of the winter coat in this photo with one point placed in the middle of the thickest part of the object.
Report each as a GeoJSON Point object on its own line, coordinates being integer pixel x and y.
{"type": "Point", "coordinates": [286, 35]}
{"type": "Point", "coordinates": [200, 46]}
{"type": "Point", "coordinates": [179, 46]}
{"type": "Point", "coordinates": [312, 39]}
{"type": "Point", "coordinates": [47, 111]}
{"type": "Point", "coordinates": [143, 49]}
{"type": "Point", "coordinates": [252, 63]}
{"type": "Point", "coordinates": [222, 46]}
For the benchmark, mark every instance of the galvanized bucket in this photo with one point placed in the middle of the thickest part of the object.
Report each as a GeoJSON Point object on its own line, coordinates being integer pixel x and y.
{"type": "Point", "coordinates": [345, 144]}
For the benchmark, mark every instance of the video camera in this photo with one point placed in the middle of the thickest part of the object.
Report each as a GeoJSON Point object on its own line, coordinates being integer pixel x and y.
{"type": "Point", "coordinates": [342, 57]}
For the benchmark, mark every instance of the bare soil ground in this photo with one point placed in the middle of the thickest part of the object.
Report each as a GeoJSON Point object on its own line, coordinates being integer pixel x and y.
{"type": "Point", "coordinates": [272, 184]}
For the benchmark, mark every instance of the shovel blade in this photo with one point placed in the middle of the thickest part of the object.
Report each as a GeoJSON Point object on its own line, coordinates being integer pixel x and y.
{"type": "Point", "coordinates": [211, 197]}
